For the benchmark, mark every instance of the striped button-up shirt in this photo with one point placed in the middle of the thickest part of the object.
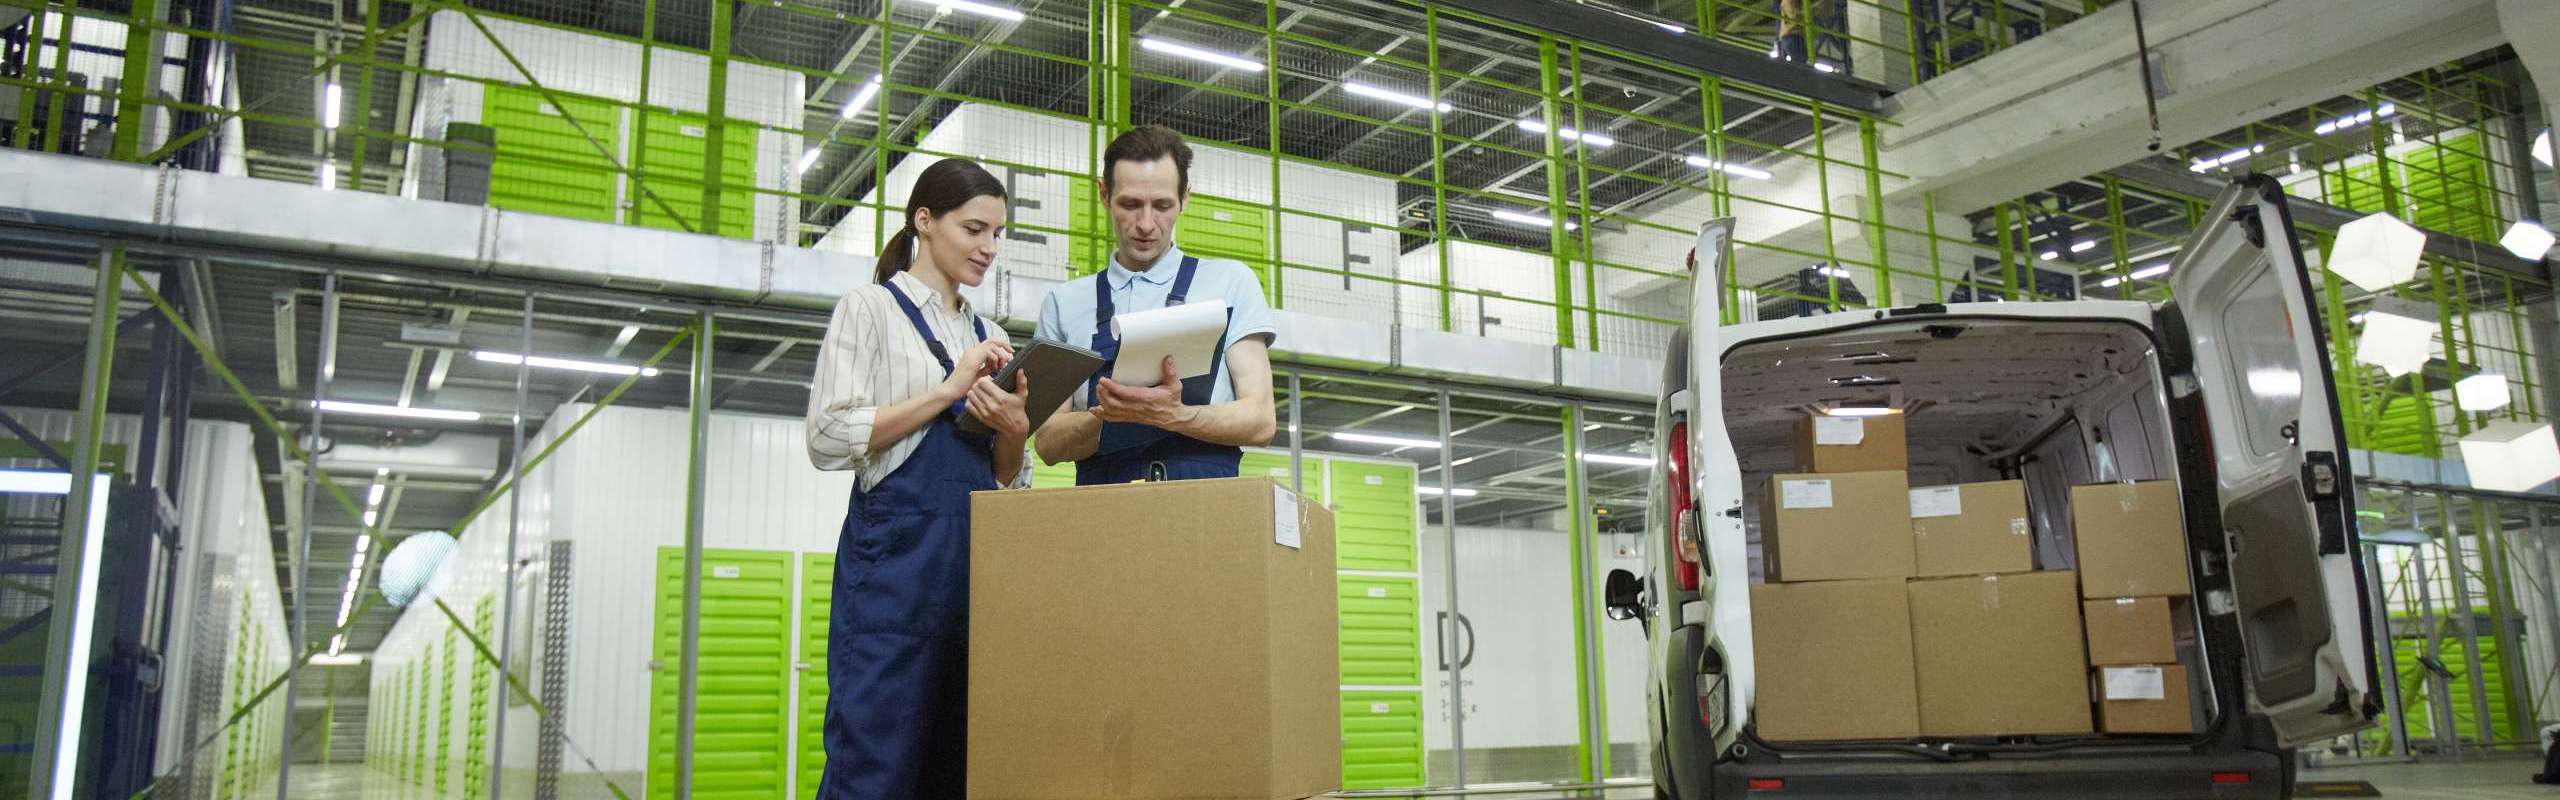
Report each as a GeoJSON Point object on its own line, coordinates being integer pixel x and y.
{"type": "Point", "coordinates": [872, 358]}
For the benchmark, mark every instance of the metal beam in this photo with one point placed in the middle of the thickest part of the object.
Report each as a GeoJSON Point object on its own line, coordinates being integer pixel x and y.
{"type": "Point", "coordinates": [66, 657]}
{"type": "Point", "coordinates": [1571, 20]}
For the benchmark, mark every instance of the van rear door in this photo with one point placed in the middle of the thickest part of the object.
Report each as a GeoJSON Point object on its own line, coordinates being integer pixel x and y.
{"type": "Point", "coordinates": [2261, 362]}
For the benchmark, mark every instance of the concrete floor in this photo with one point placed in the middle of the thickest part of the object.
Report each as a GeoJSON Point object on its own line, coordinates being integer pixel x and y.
{"type": "Point", "coordinates": [2483, 779]}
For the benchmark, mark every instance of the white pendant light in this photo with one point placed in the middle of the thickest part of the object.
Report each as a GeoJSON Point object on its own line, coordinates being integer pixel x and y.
{"type": "Point", "coordinates": [2511, 456]}
{"type": "Point", "coordinates": [2528, 240]}
{"type": "Point", "coordinates": [2398, 335]}
{"type": "Point", "coordinates": [2377, 252]}
{"type": "Point", "coordinates": [2487, 391]}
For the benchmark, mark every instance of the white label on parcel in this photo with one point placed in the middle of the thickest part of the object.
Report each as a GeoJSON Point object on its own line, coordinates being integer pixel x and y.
{"type": "Point", "coordinates": [1284, 517]}
{"type": "Point", "coordinates": [1839, 430]}
{"type": "Point", "coordinates": [1804, 494]}
{"type": "Point", "coordinates": [1936, 501]}
{"type": "Point", "coordinates": [2134, 683]}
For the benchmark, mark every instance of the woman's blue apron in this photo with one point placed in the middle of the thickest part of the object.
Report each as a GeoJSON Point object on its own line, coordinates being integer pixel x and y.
{"type": "Point", "coordinates": [898, 633]}
{"type": "Point", "coordinates": [1129, 451]}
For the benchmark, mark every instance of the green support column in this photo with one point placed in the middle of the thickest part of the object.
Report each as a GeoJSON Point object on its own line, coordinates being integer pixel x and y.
{"type": "Point", "coordinates": [1937, 274]}
{"type": "Point", "coordinates": [1876, 230]}
{"type": "Point", "coordinates": [1439, 169]}
{"type": "Point", "coordinates": [1271, 110]}
{"type": "Point", "coordinates": [73, 559]}
{"type": "Point", "coordinates": [1550, 114]}
{"type": "Point", "coordinates": [716, 133]}
{"type": "Point", "coordinates": [2517, 684]}
{"type": "Point", "coordinates": [1592, 747]}
{"type": "Point", "coordinates": [2115, 237]}
{"type": "Point", "coordinates": [638, 172]}
{"type": "Point", "coordinates": [1822, 179]}
{"type": "Point", "coordinates": [1581, 239]}
{"type": "Point", "coordinates": [141, 73]}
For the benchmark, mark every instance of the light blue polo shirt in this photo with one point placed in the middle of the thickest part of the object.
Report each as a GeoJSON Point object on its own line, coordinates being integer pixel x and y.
{"type": "Point", "coordinates": [1067, 315]}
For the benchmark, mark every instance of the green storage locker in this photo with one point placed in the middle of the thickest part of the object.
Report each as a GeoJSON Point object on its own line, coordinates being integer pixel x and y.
{"type": "Point", "coordinates": [817, 592]}
{"type": "Point", "coordinates": [440, 749]}
{"type": "Point", "coordinates": [1275, 465]}
{"type": "Point", "coordinates": [424, 713]}
{"type": "Point", "coordinates": [1381, 631]}
{"type": "Point", "coordinates": [742, 734]}
{"type": "Point", "coordinates": [671, 157]}
{"type": "Point", "coordinates": [475, 739]}
{"type": "Point", "coordinates": [1373, 510]}
{"type": "Point", "coordinates": [1216, 227]}
{"type": "Point", "coordinates": [544, 164]}
{"type": "Point", "coordinates": [1381, 739]}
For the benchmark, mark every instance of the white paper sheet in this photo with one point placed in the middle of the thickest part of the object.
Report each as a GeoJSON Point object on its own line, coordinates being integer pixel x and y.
{"type": "Point", "coordinates": [1804, 494]}
{"type": "Point", "coordinates": [1936, 501]}
{"type": "Point", "coordinates": [2134, 683]}
{"type": "Point", "coordinates": [1839, 430]}
{"type": "Point", "coordinates": [1188, 332]}
{"type": "Point", "coordinates": [1284, 517]}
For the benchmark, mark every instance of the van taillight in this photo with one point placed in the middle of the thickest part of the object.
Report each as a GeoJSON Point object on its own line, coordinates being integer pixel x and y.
{"type": "Point", "coordinates": [1767, 784]}
{"type": "Point", "coordinates": [1683, 510]}
{"type": "Point", "coordinates": [2231, 777]}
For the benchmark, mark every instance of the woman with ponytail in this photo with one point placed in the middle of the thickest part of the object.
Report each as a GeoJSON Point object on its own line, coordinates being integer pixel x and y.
{"type": "Point", "coordinates": [904, 358]}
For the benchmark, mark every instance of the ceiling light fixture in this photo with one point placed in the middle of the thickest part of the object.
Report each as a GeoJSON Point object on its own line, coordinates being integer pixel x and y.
{"type": "Point", "coordinates": [1594, 139]}
{"type": "Point", "coordinates": [1858, 411]}
{"type": "Point", "coordinates": [980, 9]}
{"type": "Point", "coordinates": [2511, 456]}
{"type": "Point", "coordinates": [2049, 255]}
{"type": "Point", "coordinates": [1617, 460]}
{"type": "Point", "coordinates": [1736, 170]}
{"type": "Point", "coordinates": [328, 175]}
{"type": "Point", "coordinates": [2399, 335]}
{"type": "Point", "coordinates": [806, 159]}
{"type": "Point", "coordinates": [1434, 491]}
{"type": "Point", "coordinates": [862, 97]}
{"type": "Point", "coordinates": [2153, 271]}
{"type": "Point", "coordinates": [2487, 391]}
{"type": "Point", "coordinates": [2084, 245]}
{"type": "Point", "coordinates": [1530, 220]}
{"type": "Point", "coordinates": [2542, 148]}
{"type": "Point", "coordinates": [1391, 441]}
{"type": "Point", "coordinates": [1390, 95]}
{"type": "Point", "coordinates": [605, 367]}
{"type": "Point", "coordinates": [1195, 53]}
{"type": "Point", "coordinates": [2527, 239]}
{"type": "Point", "coordinates": [379, 410]}
{"type": "Point", "coordinates": [329, 107]}
{"type": "Point", "coordinates": [22, 481]}
{"type": "Point", "coordinates": [2377, 252]}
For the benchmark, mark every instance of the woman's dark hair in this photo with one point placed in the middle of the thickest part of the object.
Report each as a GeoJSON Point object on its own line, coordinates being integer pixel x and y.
{"type": "Point", "coordinates": [945, 185]}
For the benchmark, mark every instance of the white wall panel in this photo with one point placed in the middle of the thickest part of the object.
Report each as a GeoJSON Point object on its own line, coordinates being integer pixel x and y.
{"type": "Point", "coordinates": [1517, 589]}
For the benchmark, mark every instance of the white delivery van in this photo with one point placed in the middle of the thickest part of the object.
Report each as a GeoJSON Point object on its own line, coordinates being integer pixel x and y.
{"type": "Point", "coordinates": [2226, 391]}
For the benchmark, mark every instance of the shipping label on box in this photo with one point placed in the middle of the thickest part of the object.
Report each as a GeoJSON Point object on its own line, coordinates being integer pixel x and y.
{"type": "Point", "coordinates": [1837, 527]}
{"type": "Point", "coordinates": [1971, 529]}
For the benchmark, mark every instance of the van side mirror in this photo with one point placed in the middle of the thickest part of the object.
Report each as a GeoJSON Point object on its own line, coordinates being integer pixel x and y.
{"type": "Point", "coordinates": [1623, 595]}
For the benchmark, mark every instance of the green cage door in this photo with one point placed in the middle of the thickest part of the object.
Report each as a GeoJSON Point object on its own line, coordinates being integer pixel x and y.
{"type": "Point", "coordinates": [1381, 739]}
{"type": "Point", "coordinates": [1373, 516]}
{"type": "Point", "coordinates": [817, 585]}
{"type": "Point", "coordinates": [547, 165]}
{"type": "Point", "coordinates": [741, 731]}
{"type": "Point", "coordinates": [671, 162]}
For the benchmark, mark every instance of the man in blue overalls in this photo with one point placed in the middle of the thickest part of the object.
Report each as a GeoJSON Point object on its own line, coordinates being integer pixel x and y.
{"type": "Point", "coordinates": [1177, 429]}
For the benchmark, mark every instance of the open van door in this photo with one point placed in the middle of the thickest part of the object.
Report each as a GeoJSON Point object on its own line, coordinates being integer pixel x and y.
{"type": "Point", "coordinates": [2279, 453]}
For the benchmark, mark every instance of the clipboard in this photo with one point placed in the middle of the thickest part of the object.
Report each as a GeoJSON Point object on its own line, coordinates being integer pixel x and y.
{"type": "Point", "coordinates": [1057, 370]}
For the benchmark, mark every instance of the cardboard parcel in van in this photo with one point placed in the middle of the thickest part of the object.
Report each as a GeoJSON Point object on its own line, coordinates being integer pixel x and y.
{"type": "Point", "coordinates": [1999, 655]}
{"type": "Point", "coordinates": [1835, 661]}
{"type": "Point", "coordinates": [2131, 538]}
{"type": "Point", "coordinates": [1837, 527]}
{"type": "Point", "coordinates": [1153, 641]}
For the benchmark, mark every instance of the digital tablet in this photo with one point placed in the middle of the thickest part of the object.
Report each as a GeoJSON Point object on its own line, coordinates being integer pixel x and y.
{"type": "Point", "coordinates": [1057, 370]}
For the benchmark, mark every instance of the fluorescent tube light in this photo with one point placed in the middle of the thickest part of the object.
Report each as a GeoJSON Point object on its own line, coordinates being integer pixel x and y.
{"type": "Point", "coordinates": [1736, 170]}
{"type": "Point", "coordinates": [1824, 66]}
{"type": "Point", "coordinates": [328, 175]}
{"type": "Point", "coordinates": [606, 367]}
{"type": "Point", "coordinates": [75, 688]}
{"type": "Point", "coordinates": [2153, 271]}
{"type": "Point", "coordinates": [1618, 460]}
{"type": "Point", "coordinates": [980, 9]}
{"type": "Point", "coordinates": [1434, 491]}
{"type": "Point", "coordinates": [1593, 139]}
{"type": "Point", "coordinates": [337, 660]}
{"type": "Point", "coordinates": [21, 481]}
{"type": "Point", "coordinates": [370, 516]}
{"type": "Point", "coordinates": [373, 496]}
{"type": "Point", "coordinates": [379, 410]}
{"type": "Point", "coordinates": [2084, 245]}
{"type": "Point", "coordinates": [1393, 441]}
{"type": "Point", "coordinates": [329, 107]}
{"type": "Point", "coordinates": [1389, 95]}
{"type": "Point", "coordinates": [862, 97]}
{"type": "Point", "coordinates": [1178, 49]}
{"type": "Point", "coordinates": [806, 159]}
{"type": "Point", "coordinates": [2049, 255]}
{"type": "Point", "coordinates": [1859, 411]}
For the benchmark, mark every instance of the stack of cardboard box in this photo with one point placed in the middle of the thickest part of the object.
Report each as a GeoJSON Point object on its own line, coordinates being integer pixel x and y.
{"type": "Point", "coordinates": [1894, 612]}
{"type": "Point", "coordinates": [2133, 573]}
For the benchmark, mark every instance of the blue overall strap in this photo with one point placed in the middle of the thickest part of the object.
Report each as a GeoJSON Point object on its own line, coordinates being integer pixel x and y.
{"type": "Point", "coordinates": [1182, 281]}
{"type": "Point", "coordinates": [1102, 303]}
{"type": "Point", "coordinates": [916, 318]}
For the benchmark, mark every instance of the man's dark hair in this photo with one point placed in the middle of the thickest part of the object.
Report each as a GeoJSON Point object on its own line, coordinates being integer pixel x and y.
{"type": "Point", "coordinates": [1147, 143]}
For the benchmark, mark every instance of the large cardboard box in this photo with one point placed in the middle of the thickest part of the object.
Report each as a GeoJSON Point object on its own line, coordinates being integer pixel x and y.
{"type": "Point", "coordinates": [1971, 529]}
{"type": "Point", "coordinates": [1152, 640]}
{"type": "Point", "coordinates": [1828, 444]}
{"type": "Point", "coordinates": [2130, 630]}
{"type": "Point", "coordinates": [1837, 527]}
{"type": "Point", "coordinates": [2144, 699]}
{"type": "Point", "coordinates": [1999, 655]}
{"type": "Point", "coordinates": [1834, 661]}
{"type": "Point", "coordinates": [2132, 540]}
